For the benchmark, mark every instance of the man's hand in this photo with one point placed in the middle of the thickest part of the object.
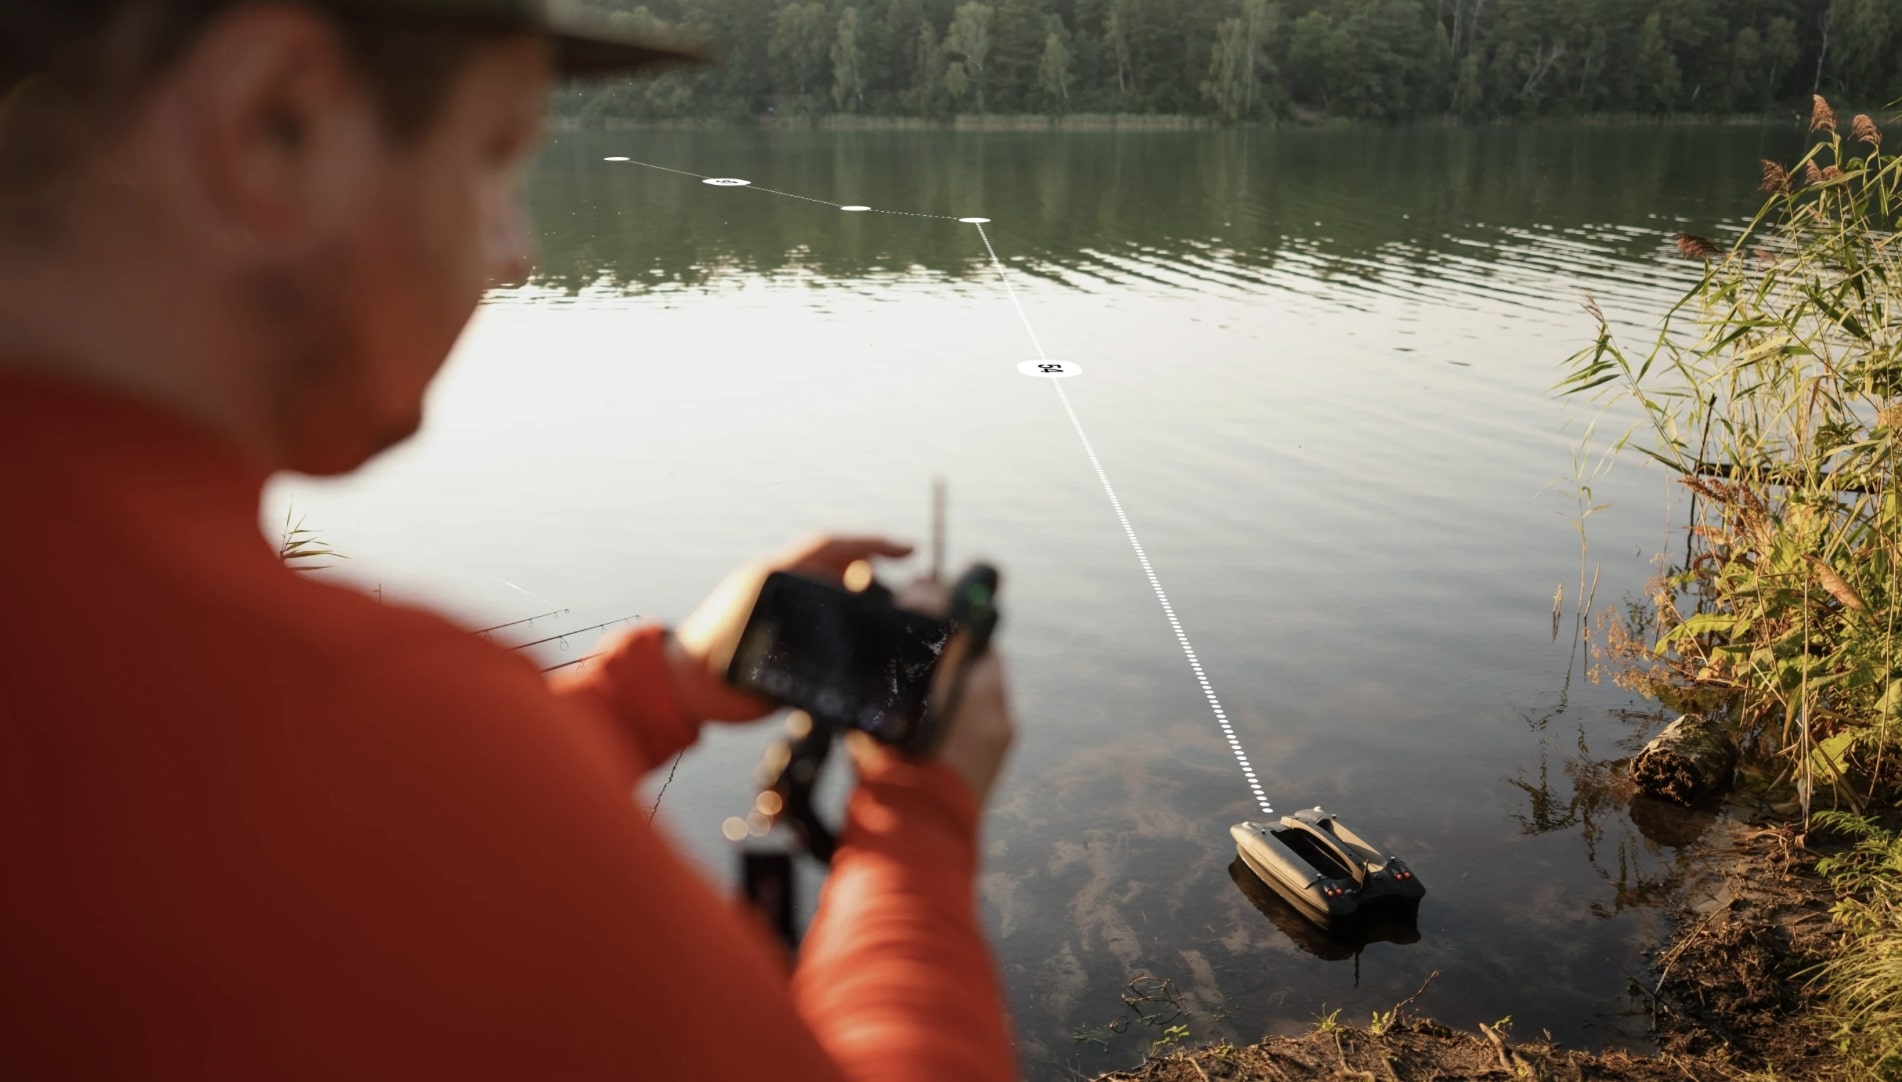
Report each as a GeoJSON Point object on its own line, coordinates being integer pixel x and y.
{"type": "Point", "coordinates": [978, 737]}
{"type": "Point", "coordinates": [702, 647]}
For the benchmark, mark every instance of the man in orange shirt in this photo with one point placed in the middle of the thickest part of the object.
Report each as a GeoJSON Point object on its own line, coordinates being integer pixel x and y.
{"type": "Point", "coordinates": [256, 827]}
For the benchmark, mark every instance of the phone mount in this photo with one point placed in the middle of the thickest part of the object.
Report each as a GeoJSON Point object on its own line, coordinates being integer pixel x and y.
{"type": "Point", "coordinates": [789, 773]}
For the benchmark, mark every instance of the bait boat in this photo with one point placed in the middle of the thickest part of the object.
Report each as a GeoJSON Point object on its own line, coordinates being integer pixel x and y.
{"type": "Point", "coordinates": [1337, 944]}
{"type": "Point", "coordinates": [1328, 872]}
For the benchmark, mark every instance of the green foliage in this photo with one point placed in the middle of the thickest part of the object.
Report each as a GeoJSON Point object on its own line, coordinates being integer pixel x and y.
{"type": "Point", "coordinates": [848, 69]}
{"type": "Point", "coordinates": [1244, 60]}
{"type": "Point", "coordinates": [1170, 1036]}
{"type": "Point", "coordinates": [1864, 979]}
{"type": "Point", "coordinates": [1329, 1021]}
{"type": "Point", "coordinates": [1240, 59]}
{"type": "Point", "coordinates": [967, 49]}
{"type": "Point", "coordinates": [928, 96]}
{"type": "Point", "coordinates": [1655, 78]}
{"type": "Point", "coordinates": [1053, 69]}
{"type": "Point", "coordinates": [802, 37]}
{"type": "Point", "coordinates": [1775, 392]}
{"type": "Point", "coordinates": [297, 543]}
{"type": "Point", "coordinates": [1019, 37]}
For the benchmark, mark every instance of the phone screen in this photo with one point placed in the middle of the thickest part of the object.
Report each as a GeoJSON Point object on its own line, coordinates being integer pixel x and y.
{"type": "Point", "coordinates": [851, 657]}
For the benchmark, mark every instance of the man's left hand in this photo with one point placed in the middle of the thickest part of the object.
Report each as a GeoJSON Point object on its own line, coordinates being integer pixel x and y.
{"type": "Point", "coordinates": [702, 647]}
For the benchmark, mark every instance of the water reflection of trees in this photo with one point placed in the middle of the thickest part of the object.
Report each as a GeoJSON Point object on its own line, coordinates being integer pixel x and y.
{"type": "Point", "coordinates": [1631, 842]}
{"type": "Point", "coordinates": [1222, 207]}
{"type": "Point", "coordinates": [1597, 797]}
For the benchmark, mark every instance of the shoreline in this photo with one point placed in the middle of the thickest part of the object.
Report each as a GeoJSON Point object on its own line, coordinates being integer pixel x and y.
{"type": "Point", "coordinates": [1730, 995]}
{"type": "Point", "coordinates": [1168, 122]}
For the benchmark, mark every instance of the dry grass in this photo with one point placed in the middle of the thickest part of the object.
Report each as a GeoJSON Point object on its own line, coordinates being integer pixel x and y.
{"type": "Point", "coordinates": [1822, 117]}
{"type": "Point", "coordinates": [1776, 179]}
{"type": "Point", "coordinates": [1692, 246]}
{"type": "Point", "coordinates": [1775, 394]}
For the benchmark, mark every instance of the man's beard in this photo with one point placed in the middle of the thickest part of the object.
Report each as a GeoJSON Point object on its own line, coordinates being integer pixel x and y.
{"type": "Point", "coordinates": [317, 377]}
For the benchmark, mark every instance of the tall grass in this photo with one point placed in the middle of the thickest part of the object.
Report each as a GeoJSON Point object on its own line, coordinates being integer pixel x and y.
{"type": "Point", "coordinates": [1774, 393]}
{"type": "Point", "coordinates": [1865, 981]}
{"type": "Point", "coordinates": [296, 543]}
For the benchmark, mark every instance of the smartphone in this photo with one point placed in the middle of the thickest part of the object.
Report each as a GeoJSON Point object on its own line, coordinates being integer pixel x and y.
{"type": "Point", "coordinates": [854, 658]}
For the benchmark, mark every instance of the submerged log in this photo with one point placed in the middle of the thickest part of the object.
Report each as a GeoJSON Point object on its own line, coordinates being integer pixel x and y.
{"type": "Point", "coordinates": [1689, 759]}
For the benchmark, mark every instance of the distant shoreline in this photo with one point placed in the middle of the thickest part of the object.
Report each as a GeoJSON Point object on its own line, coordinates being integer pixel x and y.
{"type": "Point", "coordinates": [1168, 122]}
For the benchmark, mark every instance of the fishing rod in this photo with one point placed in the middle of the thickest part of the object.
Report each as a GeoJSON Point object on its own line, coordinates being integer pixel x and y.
{"type": "Point", "coordinates": [527, 620]}
{"type": "Point", "coordinates": [577, 631]}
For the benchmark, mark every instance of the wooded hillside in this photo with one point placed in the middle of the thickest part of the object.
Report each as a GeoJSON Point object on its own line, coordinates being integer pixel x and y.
{"type": "Point", "coordinates": [1260, 59]}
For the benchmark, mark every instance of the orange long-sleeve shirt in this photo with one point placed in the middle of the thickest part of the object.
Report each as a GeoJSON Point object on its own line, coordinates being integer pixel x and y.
{"type": "Point", "coordinates": [254, 827]}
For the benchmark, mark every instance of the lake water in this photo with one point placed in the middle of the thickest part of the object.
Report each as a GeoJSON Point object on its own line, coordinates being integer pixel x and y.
{"type": "Point", "coordinates": [1314, 372]}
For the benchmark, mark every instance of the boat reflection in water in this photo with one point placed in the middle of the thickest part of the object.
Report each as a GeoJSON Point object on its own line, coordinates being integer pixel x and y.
{"type": "Point", "coordinates": [1346, 940]}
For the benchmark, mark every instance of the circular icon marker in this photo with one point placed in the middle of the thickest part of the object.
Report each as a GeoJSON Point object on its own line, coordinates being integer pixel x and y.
{"type": "Point", "coordinates": [974, 221]}
{"type": "Point", "coordinates": [1049, 369]}
{"type": "Point", "coordinates": [615, 158]}
{"type": "Point", "coordinates": [726, 182]}
{"type": "Point", "coordinates": [855, 208]}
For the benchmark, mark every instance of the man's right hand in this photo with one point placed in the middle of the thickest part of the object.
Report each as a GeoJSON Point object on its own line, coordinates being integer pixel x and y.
{"type": "Point", "coordinates": [702, 646]}
{"type": "Point", "coordinates": [978, 737]}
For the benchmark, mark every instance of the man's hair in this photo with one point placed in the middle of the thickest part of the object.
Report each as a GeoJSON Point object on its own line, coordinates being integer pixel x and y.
{"type": "Point", "coordinates": [72, 71]}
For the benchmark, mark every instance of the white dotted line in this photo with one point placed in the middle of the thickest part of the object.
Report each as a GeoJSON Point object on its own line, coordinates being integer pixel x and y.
{"type": "Point", "coordinates": [662, 168]}
{"type": "Point", "coordinates": [1228, 731]}
{"type": "Point", "coordinates": [790, 195]}
{"type": "Point", "coordinates": [1004, 278]}
{"type": "Point", "coordinates": [622, 160]}
{"type": "Point", "coordinates": [915, 214]}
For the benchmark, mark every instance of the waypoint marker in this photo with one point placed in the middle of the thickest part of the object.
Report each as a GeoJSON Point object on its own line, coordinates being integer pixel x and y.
{"type": "Point", "coordinates": [1045, 368]}
{"type": "Point", "coordinates": [1048, 369]}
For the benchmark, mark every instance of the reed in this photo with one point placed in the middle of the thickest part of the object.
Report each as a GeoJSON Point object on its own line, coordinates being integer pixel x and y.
{"type": "Point", "coordinates": [1774, 393]}
{"type": "Point", "coordinates": [1776, 179]}
{"type": "Point", "coordinates": [1865, 983]}
{"type": "Point", "coordinates": [297, 544]}
{"type": "Point", "coordinates": [1822, 117]}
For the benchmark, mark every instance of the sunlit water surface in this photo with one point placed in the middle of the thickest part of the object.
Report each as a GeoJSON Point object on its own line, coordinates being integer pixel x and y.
{"type": "Point", "coordinates": [1315, 372]}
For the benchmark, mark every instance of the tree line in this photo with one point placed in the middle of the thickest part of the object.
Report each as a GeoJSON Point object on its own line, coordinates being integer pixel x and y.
{"type": "Point", "coordinates": [1257, 60]}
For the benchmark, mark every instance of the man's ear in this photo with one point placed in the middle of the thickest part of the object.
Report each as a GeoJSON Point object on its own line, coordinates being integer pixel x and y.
{"type": "Point", "coordinates": [280, 127]}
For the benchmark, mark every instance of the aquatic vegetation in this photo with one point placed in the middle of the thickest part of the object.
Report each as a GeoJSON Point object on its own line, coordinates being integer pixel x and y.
{"type": "Point", "coordinates": [298, 543]}
{"type": "Point", "coordinates": [1866, 981]}
{"type": "Point", "coordinates": [1774, 392]}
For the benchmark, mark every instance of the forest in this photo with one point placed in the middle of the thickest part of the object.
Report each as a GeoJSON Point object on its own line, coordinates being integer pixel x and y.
{"type": "Point", "coordinates": [1254, 61]}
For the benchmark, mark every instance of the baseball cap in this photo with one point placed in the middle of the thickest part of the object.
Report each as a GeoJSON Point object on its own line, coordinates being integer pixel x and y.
{"type": "Point", "coordinates": [586, 44]}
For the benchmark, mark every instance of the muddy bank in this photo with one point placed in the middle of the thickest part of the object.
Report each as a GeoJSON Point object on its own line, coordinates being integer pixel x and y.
{"type": "Point", "coordinates": [1728, 994]}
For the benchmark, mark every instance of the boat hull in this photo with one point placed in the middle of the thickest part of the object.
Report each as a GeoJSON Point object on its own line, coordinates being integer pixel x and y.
{"type": "Point", "coordinates": [1313, 877]}
{"type": "Point", "coordinates": [1335, 943]}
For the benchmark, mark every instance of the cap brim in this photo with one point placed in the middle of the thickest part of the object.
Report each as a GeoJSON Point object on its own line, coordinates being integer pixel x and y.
{"type": "Point", "coordinates": [587, 51]}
